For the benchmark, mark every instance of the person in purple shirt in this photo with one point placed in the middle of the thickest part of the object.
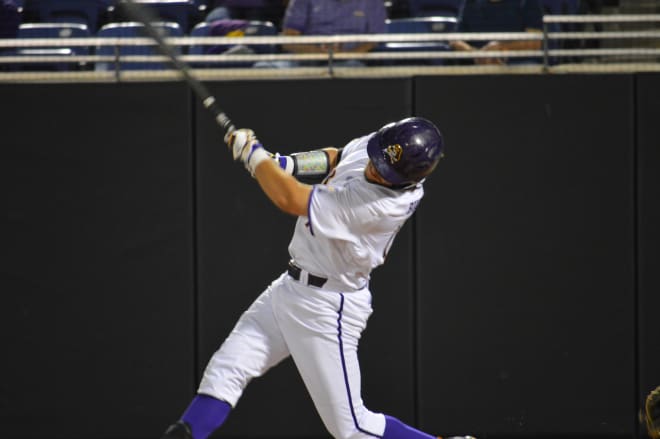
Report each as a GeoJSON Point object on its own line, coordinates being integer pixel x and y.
{"type": "Point", "coordinates": [333, 17]}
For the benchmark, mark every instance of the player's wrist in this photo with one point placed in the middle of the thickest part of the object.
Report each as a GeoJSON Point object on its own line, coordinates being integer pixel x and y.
{"type": "Point", "coordinates": [256, 156]}
{"type": "Point", "coordinates": [285, 162]}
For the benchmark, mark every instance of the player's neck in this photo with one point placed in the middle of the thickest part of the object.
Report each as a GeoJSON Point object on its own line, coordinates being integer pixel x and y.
{"type": "Point", "coordinates": [372, 176]}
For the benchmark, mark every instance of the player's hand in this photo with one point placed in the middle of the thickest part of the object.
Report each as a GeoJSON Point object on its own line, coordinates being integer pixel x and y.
{"type": "Point", "coordinates": [238, 142]}
{"type": "Point", "coordinates": [245, 147]}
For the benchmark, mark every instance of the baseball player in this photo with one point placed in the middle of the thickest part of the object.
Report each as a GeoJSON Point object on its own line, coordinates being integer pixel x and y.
{"type": "Point", "coordinates": [354, 202]}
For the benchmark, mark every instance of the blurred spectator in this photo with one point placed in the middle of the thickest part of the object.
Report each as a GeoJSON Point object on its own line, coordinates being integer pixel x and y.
{"type": "Point", "coordinates": [10, 19]}
{"type": "Point", "coordinates": [261, 10]}
{"type": "Point", "coordinates": [333, 17]}
{"type": "Point", "coordinates": [500, 16]}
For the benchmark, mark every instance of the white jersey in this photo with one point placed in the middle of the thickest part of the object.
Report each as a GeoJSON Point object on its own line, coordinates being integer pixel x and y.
{"type": "Point", "coordinates": [350, 223]}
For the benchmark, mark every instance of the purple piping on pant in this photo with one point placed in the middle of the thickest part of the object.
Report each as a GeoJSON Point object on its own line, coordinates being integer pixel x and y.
{"type": "Point", "coordinates": [343, 365]}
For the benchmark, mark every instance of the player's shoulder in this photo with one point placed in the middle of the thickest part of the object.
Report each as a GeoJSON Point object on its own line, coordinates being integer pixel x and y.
{"type": "Point", "coordinates": [356, 146]}
{"type": "Point", "coordinates": [388, 201]}
{"type": "Point", "coordinates": [405, 201]}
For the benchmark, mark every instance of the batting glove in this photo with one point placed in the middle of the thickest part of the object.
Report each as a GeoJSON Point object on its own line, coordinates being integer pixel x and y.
{"type": "Point", "coordinates": [246, 147]}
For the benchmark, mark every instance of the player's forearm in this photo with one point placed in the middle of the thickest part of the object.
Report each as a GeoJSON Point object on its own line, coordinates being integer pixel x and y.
{"type": "Point", "coordinates": [309, 167]}
{"type": "Point", "coordinates": [283, 190]}
{"type": "Point", "coordinates": [277, 174]}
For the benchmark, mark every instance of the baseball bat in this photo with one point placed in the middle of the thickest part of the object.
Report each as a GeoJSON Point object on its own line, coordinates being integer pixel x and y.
{"type": "Point", "coordinates": [140, 13]}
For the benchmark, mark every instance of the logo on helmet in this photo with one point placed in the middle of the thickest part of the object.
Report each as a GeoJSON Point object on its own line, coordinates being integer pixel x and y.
{"type": "Point", "coordinates": [393, 153]}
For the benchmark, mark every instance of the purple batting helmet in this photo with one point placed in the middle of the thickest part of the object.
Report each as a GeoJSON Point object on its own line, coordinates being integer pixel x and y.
{"type": "Point", "coordinates": [406, 151]}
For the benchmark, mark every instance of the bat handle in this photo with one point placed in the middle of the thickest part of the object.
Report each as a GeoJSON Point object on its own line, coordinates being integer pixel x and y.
{"type": "Point", "coordinates": [220, 117]}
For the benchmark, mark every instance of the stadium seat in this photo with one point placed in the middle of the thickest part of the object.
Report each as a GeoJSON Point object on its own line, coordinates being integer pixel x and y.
{"type": "Point", "coordinates": [432, 8]}
{"type": "Point", "coordinates": [253, 28]}
{"type": "Point", "coordinates": [53, 31]}
{"type": "Point", "coordinates": [419, 25]}
{"type": "Point", "coordinates": [133, 30]}
{"type": "Point", "coordinates": [85, 12]}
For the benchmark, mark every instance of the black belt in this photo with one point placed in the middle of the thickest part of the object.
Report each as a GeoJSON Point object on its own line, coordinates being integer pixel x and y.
{"type": "Point", "coordinates": [295, 272]}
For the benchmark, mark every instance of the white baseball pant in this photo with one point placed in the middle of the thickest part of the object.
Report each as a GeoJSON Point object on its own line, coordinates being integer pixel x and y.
{"type": "Point", "coordinates": [320, 329]}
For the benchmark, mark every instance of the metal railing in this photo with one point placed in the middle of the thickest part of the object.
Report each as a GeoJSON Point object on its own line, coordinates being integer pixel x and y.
{"type": "Point", "coordinates": [431, 55]}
